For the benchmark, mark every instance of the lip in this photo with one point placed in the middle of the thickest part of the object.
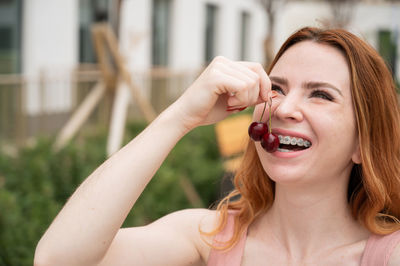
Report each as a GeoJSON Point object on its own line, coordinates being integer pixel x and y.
{"type": "Point", "coordinates": [285, 132]}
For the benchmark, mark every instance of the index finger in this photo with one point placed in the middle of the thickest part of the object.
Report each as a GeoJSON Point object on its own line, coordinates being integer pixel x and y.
{"type": "Point", "coordinates": [271, 95]}
{"type": "Point", "coordinates": [265, 82]}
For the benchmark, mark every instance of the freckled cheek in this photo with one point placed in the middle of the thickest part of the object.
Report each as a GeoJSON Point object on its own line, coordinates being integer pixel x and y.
{"type": "Point", "coordinates": [338, 128]}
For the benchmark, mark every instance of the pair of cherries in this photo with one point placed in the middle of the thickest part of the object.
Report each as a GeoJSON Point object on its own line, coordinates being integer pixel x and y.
{"type": "Point", "coordinates": [259, 131]}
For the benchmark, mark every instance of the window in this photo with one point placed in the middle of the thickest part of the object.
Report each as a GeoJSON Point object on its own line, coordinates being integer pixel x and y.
{"type": "Point", "coordinates": [10, 32]}
{"type": "Point", "coordinates": [388, 48]}
{"type": "Point", "coordinates": [244, 35]}
{"type": "Point", "coordinates": [210, 32]}
{"type": "Point", "coordinates": [160, 32]}
{"type": "Point", "coordinates": [90, 11]}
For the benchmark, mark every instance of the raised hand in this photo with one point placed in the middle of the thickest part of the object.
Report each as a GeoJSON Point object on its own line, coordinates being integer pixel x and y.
{"type": "Point", "coordinates": [223, 87]}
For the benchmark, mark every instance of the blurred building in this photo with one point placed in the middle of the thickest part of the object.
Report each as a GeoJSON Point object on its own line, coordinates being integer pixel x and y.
{"type": "Point", "coordinates": [44, 41]}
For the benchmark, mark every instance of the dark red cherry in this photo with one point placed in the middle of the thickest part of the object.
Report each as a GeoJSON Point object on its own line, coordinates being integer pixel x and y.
{"type": "Point", "coordinates": [270, 142]}
{"type": "Point", "coordinates": [257, 130]}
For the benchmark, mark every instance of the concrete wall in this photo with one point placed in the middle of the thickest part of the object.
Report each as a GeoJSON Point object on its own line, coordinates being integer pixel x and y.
{"type": "Point", "coordinates": [50, 37]}
{"type": "Point", "coordinates": [188, 22]}
{"type": "Point", "coordinates": [379, 17]}
{"type": "Point", "coordinates": [50, 48]}
{"type": "Point", "coordinates": [135, 33]}
{"type": "Point", "coordinates": [187, 40]}
{"type": "Point", "coordinates": [366, 20]}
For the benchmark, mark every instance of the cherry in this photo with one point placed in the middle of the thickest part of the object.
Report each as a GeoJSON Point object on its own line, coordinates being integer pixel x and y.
{"type": "Point", "coordinates": [270, 142]}
{"type": "Point", "coordinates": [257, 130]}
{"type": "Point", "coordinates": [260, 131]}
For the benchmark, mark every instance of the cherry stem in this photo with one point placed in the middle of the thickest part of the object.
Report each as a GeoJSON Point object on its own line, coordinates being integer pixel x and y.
{"type": "Point", "coordinates": [269, 105]}
{"type": "Point", "coordinates": [269, 110]}
{"type": "Point", "coordinates": [265, 105]}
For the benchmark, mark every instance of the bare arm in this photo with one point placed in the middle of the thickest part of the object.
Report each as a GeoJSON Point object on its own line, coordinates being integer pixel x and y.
{"type": "Point", "coordinates": [99, 206]}
{"type": "Point", "coordinates": [170, 241]}
{"type": "Point", "coordinates": [86, 227]}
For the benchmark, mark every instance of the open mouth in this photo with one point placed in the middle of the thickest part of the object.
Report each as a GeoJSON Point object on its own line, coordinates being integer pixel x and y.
{"type": "Point", "coordinates": [292, 144]}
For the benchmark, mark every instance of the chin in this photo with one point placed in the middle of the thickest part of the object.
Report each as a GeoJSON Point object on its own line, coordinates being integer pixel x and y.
{"type": "Point", "coordinates": [287, 180]}
{"type": "Point", "coordinates": [287, 175]}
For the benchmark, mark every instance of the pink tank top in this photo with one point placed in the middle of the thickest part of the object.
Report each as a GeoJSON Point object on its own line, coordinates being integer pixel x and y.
{"type": "Point", "coordinates": [377, 250]}
{"type": "Point", "coordinates": [233, 256]}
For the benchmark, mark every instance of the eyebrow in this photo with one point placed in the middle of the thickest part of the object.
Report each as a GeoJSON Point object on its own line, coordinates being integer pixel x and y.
{"type": "Point", "coordinates": [307, 85]}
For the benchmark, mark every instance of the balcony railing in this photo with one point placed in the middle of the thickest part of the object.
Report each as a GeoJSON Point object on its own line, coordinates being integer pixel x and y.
{"type": "Point", "coordinates": [29, 108]}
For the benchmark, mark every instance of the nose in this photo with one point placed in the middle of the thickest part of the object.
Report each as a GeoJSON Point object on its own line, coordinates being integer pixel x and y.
{"type": "Point", "coordinates": [289, 108]}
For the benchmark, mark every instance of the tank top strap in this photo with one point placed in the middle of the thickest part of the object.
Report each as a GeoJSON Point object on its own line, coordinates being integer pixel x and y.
{"type": "Point", "coordinates": [230, 257]}
{"type": "Point", "coordinates": [379, 248]}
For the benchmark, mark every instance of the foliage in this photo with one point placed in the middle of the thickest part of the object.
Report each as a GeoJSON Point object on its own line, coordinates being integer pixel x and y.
{"type": "Point", "coordinates": [37, 183]}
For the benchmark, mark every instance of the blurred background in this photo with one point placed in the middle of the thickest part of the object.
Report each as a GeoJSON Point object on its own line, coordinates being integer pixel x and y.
{"type": "Point", "coordinates": [89, 75]}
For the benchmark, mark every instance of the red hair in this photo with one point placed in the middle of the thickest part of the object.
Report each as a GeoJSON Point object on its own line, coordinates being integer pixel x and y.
{"type": "Point", "coordinates": [374, 185]}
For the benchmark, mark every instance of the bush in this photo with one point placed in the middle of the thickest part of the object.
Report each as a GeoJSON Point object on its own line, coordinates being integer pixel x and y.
{"type": "Point", "coordinates": [35, 185]}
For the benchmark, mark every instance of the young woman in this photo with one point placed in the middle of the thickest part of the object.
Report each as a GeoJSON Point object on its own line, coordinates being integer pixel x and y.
{"type": "Point", "coordinates": [335, 202]}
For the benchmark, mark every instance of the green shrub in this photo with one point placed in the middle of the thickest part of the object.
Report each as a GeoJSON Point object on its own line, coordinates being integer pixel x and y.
{"type": "Point", "coordinates": [37, 183]}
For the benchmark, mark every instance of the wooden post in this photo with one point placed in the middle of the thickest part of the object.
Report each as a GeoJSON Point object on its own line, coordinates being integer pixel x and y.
{"type": "Point", "coordinates": [143, 103]}
{"type": "Point", "coordinates": [103, 34]}
{"type": "Point", "coordinates": [112, 67]}
{"type": "Point", "coordinates": [118, 118]}
{"type": "Point", "coordinates": [80, 116]}
{"type": "Point", "coordinates": [190, 192]}
{"type": "Point", "coordinates": [108, 72]}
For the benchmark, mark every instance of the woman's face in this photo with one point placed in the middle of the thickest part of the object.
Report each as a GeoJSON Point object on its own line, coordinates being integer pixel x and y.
{"type": "Point", "coordinates": [314, 103]}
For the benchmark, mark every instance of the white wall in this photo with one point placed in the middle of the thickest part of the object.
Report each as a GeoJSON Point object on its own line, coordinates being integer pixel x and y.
{"type": "Point", "coordinates": [135, 33]}
{"type": "Point", "coordinates": [50, 37]}
{"type": "Point", "coordinates": [50, 40]}
{"type": "Point", "coordinates": [385, 16]}
{"type": "Point", "coordinates": [188, 22]}
{"type": "Point", "coordinates": [295, 15]}
{"type": "Point", "coordinates": [366, 20]}
{"type": "Point", "coordinates": [187, 40]}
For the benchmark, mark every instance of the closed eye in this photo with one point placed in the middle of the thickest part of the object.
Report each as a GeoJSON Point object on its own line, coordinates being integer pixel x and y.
{"type": "Point", "coordinates": [321, 94]}
{"type": "Point", "coordinates": [278, 89]}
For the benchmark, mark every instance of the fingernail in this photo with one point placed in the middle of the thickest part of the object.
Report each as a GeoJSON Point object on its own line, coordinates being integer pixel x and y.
{"type": "Point", "coordinates": [235, 109]}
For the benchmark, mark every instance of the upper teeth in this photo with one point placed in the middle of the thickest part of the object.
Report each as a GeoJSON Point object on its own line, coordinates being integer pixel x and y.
{"type": "Point", "coordinates": [294, 141]}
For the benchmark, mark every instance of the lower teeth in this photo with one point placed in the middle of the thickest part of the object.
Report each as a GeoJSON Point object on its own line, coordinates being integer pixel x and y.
{"type": "Point", "coordinates": [283, 150]}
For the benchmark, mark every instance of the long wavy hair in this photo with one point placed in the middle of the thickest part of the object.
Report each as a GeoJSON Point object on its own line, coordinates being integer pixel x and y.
{"type": "Point", "coordinates": [374, 185]}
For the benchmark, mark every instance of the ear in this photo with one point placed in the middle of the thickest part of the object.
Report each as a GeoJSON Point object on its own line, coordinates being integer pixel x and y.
{"type": "Point", "coordinates": [356, 157]}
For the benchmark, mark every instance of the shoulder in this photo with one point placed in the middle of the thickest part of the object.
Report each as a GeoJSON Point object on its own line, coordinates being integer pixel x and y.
{"type": "Point", "coordinates": [189, 219]}
{"type": "Point", "coordinates": [395, 254]}
{"type": "Point", "coordinates": [174, 239]}
{"type": "Point", "coordinates": [384, 248]}
{"type": "Point", "coordinates": [189, 224]}
{"type": "Point", "coordinates": [184, 224]}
